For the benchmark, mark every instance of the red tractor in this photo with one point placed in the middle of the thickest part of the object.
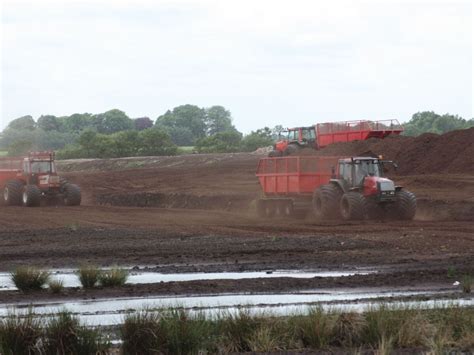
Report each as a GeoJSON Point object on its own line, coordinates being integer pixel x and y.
{"type": "Point", "coordinates": [348, 188]}
{"type": "Point", "coordinates": [29, 180]}
{"type": "Point", "coordinates": [323, 134]}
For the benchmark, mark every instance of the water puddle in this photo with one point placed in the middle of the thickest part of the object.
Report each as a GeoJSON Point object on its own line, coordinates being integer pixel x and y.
{"type": "Point", "coordinates": [70, 278]}
{"type": "Point", "coordinates": [111, 311]}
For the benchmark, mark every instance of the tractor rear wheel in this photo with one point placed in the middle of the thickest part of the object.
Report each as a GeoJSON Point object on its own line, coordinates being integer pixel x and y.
{"type": "Point", "coordinates": [326, 202]}
{"type": "Point", "coordinates": [72, 195]}
{"type": "Point", "coordinates": [31, 196]}
{"type": "Point", "coordinates": [353, 206]}
{"type": "Point", "coordinates": [291, 149]}
{"type": "Point", "coordinates": [405, 207]}
{"type": "Point", "coordinates": [12, 193]}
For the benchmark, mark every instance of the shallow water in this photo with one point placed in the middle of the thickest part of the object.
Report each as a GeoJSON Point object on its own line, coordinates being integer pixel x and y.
{"type": "Point", "coordinates": [70, 278]}
{"type": "Point", "coordinates": [112, 311]}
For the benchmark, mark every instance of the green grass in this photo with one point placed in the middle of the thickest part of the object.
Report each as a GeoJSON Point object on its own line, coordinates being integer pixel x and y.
{"type": "Point", "coordinates": [19, 334]}
{"type": "Point", "coordinates": [61, 334]}
{"type": "Point", "coordinates": [3, 153]}
{"type": "Point", "coordinates": [89, 276]}
{"type": "Point", "coordinates": [56, 286]}
{"type": "Point", "coordinates": [113, 277]}
{"type": "Point", "coordinates": [466, 283]}
{"type": "Point", "coordinates": [380, 330]}
{"type": "Point", "coordinates": [28, 279]}
{"type": "Point", "coordinates": [186, 150]}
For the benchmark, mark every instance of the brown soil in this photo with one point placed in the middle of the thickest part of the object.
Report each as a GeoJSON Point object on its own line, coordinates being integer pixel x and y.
{"type": "Point", "coordinates": [200, 217]}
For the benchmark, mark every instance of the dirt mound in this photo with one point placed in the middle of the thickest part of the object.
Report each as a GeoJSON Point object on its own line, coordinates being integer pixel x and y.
{"type": "Point", "coordinates": [452, 152]}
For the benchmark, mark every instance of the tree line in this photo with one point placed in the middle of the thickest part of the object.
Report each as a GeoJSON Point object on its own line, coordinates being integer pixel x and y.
{"type": "Point", "coordinates": [114, 134]}
{"type": "Point", "coordinates": [207, 130]}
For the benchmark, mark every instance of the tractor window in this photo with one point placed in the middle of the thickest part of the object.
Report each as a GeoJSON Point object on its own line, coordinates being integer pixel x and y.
{"type": "Point", "coordinates": [42, 167]}
{"type": "Point", "coordinates": [345, 172]}
{"type": "Point", "coordinates": [366, 168]}
{"type": "Point", "coordinates": [308, 134]}
{"type": "Point", "coordinates": [293, 135]}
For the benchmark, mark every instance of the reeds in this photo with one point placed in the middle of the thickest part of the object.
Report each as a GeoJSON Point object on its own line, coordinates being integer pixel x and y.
{"type": "Point", "coordinates": [61, 334]}
{"type": "Point", "coordinates": [113, 277]}
{"type": "Point", "coordinates": [28, 279]}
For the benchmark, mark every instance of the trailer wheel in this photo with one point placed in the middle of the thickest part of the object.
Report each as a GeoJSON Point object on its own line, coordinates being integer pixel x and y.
{"type": "Point", "coordinates": [261, 208]}
{"type": "Point", "coordinates": [12, 193]}
{"type": "Point", "coordinates": [288, 209]}
{"type": "Point", "coordinates": [405, 206]}
{"type": "Point", "coordinates": [72, 195]}
{"type": "Point", "coordinates": [326, 202]}
{"type": "Point", "coordinates": [270, 209]}
{"type": "Point", "coordinates": [31, 196]}
{"type": "Point", "coordinates": [353, 206]}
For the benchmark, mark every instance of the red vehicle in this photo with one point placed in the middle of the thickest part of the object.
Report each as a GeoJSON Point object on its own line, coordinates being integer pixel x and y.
{"type": "Point", "coordinates": [27, 180]}
{"type": "Point", "coordinates": [332, 187]}
{"type": "Point", "coordinates": [323, 134]}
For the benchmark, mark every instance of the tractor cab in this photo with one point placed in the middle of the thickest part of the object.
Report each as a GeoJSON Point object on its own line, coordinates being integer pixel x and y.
{"type": "Point", "coordinates": [365, 174]}
{"type": "Point", "coordinates": [39, 169]}
{"type": "Point", "coordinates": [299, 137]}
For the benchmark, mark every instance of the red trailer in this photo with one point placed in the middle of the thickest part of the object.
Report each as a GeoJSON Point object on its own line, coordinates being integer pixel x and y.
{"type": "Point", "coordinates": [323, 134]}
{"type": "Point", "coordinates": [332, 187]}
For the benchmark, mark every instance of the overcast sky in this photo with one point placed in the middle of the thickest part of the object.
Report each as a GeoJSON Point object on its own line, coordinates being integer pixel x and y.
{"type": "Point", "coordinates": [268, 62]}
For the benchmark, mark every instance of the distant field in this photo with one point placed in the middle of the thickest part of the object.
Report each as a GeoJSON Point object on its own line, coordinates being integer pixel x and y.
{"type": "Point", "coordinates": [3, 153]}
{"type": "Point", "coordinates": [185, 150]}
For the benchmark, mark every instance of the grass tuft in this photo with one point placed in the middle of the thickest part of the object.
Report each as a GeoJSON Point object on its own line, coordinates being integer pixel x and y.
{"type": "Point", "coordinates": [29, 279]}
{"type": "Point", "coordinates": [20, 334]}
{"type": "Point", "coordinates": [113, 277]}
{"type": "Point", "coordinates": [141, 332]}
{"type": "Point", "coordinates": [315, 329]}
{"type": "Point", "coordinates": [56, 286]}
{"type": "Point", "coordinates": [65, 335]}
{"type": "Point", "coordinates": [466, 283]}
{"type": "Point", "coordinates": [347, 329]}
{"type": "Point", "coordinates": [89, 276]}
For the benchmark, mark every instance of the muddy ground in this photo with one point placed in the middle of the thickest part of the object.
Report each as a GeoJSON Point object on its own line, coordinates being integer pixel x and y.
{"type": "Point", "coordinates": [196, 213]}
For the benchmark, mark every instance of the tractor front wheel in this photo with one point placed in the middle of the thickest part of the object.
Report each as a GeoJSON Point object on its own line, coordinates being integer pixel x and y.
{"type": "Point", "coordinates": [405, 207]}
{"type": "Point", "coordinates": [353, 206]}
{"type": "Point", "coordinates": [72, 195]}
{"type": "Point", "coordinates": [31, 196]}
{"type": "Point", "coordinates": [12, 193]}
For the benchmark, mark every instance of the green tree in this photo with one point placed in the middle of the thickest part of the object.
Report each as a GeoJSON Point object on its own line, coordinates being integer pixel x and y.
{"type": "Point", "coordinates": [186, 116]}
{"type": "Point", "coordinates": [218, 119]}
{"type": "Point", "coordinates": [77, 122]}
{"type": "Point", "coordinates": [125, 143]}
{"type": "Point", "coordinates": [112, 121]}
{"type": "Point", "coordinates": [431, 122]}
{"type": "Point", "coordinates": [223, 142]}
{"type": "Point", "coordinates": [257, 139]}
{"type": "Point", "coordinates": [19, 148]}
{"type": "Point", "coordinates": [23, 123]}
{"type": "Point", "coordinates": [49, 123]}
{"type": "Point", "coordinates": [154, 141]}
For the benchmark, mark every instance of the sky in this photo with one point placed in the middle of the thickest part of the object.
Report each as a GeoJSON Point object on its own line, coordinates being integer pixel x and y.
{"type": "Point", "coordinates": [269, 62]}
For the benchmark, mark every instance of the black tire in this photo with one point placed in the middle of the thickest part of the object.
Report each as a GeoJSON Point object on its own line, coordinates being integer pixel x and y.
{"type": "Point", "coordinates": [353, 206]}
{"type": "Point", "coordinates": [31, 196]}
{"type": "Point", "coordinates": [12, 193]}
{"type": "Point", "coordinates": [291, 149]}
{"type": "Point", "coordinates": [270, 209]}
{"type": "Point", "coordinates": [326, 201]}
{"type": "Point", "coordinates": [72, 195]}
{"type": "Point", "coordinates": [288, 209]}
{"type": "Point", "coordinates": [405, 206]}
{"type": "Point", "coordinates": [261, 208]}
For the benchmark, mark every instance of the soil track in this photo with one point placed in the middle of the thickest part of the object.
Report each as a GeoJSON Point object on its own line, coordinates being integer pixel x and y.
{"type": "Point", "coordinates": [208, 221]}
